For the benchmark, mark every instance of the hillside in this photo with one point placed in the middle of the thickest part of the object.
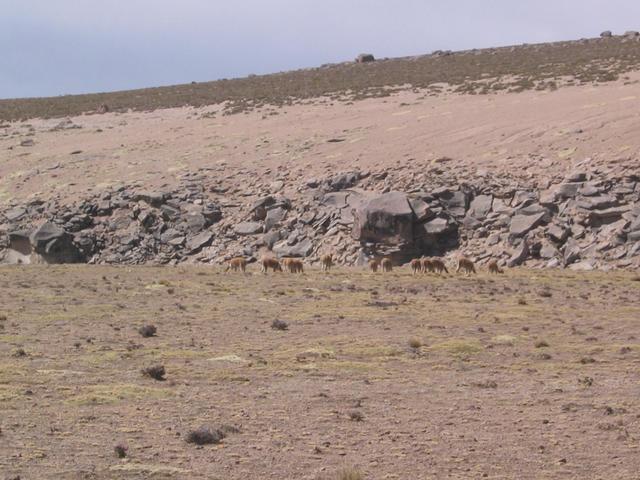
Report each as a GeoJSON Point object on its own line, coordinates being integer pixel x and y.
{"type": "Point", "coordinates": [546, 176]}
{"type": "Point", "coordinates": [516, 68]}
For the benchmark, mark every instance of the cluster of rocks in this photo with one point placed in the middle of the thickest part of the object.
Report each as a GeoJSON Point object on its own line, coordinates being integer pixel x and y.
{"type": "Point", "coordinates": [586, 220]}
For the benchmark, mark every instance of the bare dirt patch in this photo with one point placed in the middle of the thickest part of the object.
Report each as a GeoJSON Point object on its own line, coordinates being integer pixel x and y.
{"type": "Point", "coordinates": [346, 390]}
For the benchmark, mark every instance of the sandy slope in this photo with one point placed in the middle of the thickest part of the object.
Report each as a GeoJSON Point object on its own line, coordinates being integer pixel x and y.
{"type": "Point", "coordinates": [533, 133]}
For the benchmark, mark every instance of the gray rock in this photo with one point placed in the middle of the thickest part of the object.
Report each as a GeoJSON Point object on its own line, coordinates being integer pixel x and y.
{"type": "Point", "coordinates": [248, 228]}
{"type": "Point", "coordinates": [521, 224]}
{"type": "Point", "coordinates": [19, 241]}
{"type": "Point", "coordinates": [365, 58]}
{"type": "Point", "coordinates": [274, 217]}
{"type": "Point", "coordinates": [598, 202]}
{"type": "Point", "coordinates": [271, 238]}
{"type": "Point", "coordinates": [568, 190]}
{"type": "Point", "coordinates": [195, 222]}
{"type": "Point", "coordinates": [259, 208]}
{"type": "Point", "coordinates": [437, 226]}
{"type": "Point", "coordinates": [606, 34]}
{"type": "Point", "coordinates": [335, 199]}
{"type": "Point", "coordinates": [571, 251]}
{"type": "Point", "coordinates": [170, 234]}
{"type": "Point", "coordinates": [198, 242]}
{"type": "Point", "coordinates": [44, 234]}
{"type": "Point", "coordinates": [15, 214]}
{"type": "Point", "coordinates": [301, 249]}
{"type": "Point", "coordinates": [343, 181]}
{"type": "Point", "coordinates": [547, 251]}
{"type": "Point", "coordinates": [599, 217]}
{"type": "Point", "coordinates": [386, 218]}
{"type": "Point", "coordinates": [480, 206]}
{"type": "Point", "coordinates": [455, 202]}
{"type": "Point", "coordinates": [420, 209]}
{"type": "Point", "coordinates": [576, 176]}
{"type": "Point", "coordinates": [519, 256]}
{"type": "Point", "coordinates": [557, 233]}
{"type": "Point", "coordinates": [154, 199]}
{"type": "Point", "coordinates": [55, 245]}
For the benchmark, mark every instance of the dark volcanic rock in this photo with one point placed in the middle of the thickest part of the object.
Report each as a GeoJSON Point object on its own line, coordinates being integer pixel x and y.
{"type": "Point", "coordinates": [248, 228]}
{"type": "Point", "coordinates": [387, 218]}
{"type": "Point", "coordinates": [521, 224]}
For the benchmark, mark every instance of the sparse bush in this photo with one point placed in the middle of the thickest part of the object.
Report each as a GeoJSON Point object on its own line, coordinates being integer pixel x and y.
{"type": "Point", "coordinates": [486, 384]}
{"type": "Point", "coordinates": [19, 352]}
{"type": "Point", "coordinates": [121, 450]}
{"type": "Point", "coordinates": [349, 473]}
{"type": "Point", "coordinates": [541, 344]}
{"type": "Point", "coordinates": [205, 436]}
{"type": "Point", "coordinates": [356, 416]}
{"type": "Point", "coordinates": [587, 360]}
{"type": "Point", "coordinates": [157, 372]}
{"type": "Point", "coordinates": [522, 301]}
{"type": "Point", "coordinates": [545, 293]}
{"type": "Point", "coordinates": [415, 343]}
{"type": "Point", "coordinates": [147, 330]}
{"type": "Point", "coordinates": [3, 318]}
{"type": "Point", "coordinates": [279, 325]}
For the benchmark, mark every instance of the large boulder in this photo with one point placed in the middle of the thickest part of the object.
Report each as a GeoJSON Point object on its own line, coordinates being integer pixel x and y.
{"type": "Point", "coordinates": [274, 217]}
{"type": "Point", "coordinates": [455, 202]}
{"type": "Point", "coordinates": [300, 249]}
{"type": "Point", "coordinates": [521, 224]}
{"type": "Point", "coordinates": [248, 228]}
{"type": "Point", "coordinates": [386, 218]}
{"type": "Point", "coordinates": [54, 245]}
{"type": "Point", "coordinates": [480, 206]}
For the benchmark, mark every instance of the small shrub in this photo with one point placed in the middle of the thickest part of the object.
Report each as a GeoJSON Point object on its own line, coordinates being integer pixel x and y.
{"type": "Point", "coordinates": [157, 372]}
{"type": "Point", "coordinates": [121, 450]}
{"type": "Point", "coordinates": [587, 360]}
{"type": "Point", "coordinates": [205, 436]}
{"type": "Point", "coordinates": [279, 325]}
{"type": "Point", "coordinates": [19, 352]}
{"type": "Point", "coordinates": [147, 331]}
{"type": "Point", "coordinates": [541, 344]}
{"type": "Point", "coordinates": [3, 318]}
{"type": "Point", "coordinates": [522, 301]}
{"type": "Point", "coordinates": [415, 343]}
{"type": "Point", "coordinates": [486, 384]}
{"type": "Point", "coordinates": [356, 416]}
{"type": "Point", "coordinates": [349, 473]}
{"type": "Point", "coordinates": [545, 293]}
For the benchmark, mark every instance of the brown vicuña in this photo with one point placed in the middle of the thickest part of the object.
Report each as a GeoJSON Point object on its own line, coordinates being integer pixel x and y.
{"type": "Point", "coordinates": [374, 265]}
{"type": "Point", "coordinates": [293, 265]}
{"type": "Point", "coordinates": [466, 266]}
{"type": "Point", "coordinates": [416, 265]}
{"type": "Point", "coordinates": [327, 262]}
{"type": "Point", "coordinates": [438, 266]}
{"type": "Point", "coordinates": [270, 262]}
{"type": "Point", "coordinates": [427, 265]}
{"type": "Point", "coordinates": [493, 267]}
{"type": "Point", "coordinates": [236, 263]}
{"type": "Point", "coordinates": [386, 264]}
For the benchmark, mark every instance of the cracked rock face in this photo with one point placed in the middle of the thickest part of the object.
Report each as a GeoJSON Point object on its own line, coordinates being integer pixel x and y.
{"type": "Point", "coordinates": [586, 218]}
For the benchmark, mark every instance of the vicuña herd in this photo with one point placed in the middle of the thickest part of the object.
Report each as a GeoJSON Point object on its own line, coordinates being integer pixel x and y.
{"type": "Point", "coordinates": [417, 265]}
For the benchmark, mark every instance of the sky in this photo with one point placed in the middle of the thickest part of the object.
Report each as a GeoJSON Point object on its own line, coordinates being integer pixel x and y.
{"type": "Point", "coordinates": [57, 47]}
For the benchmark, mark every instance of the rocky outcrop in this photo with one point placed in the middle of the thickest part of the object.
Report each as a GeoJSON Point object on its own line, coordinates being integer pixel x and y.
{"type": "Point", "coordinates": [584, 220]}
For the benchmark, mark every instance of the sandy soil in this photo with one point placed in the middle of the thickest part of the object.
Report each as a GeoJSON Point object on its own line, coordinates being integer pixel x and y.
{"type": "Point", "coordinates": [534, 374]}
{"type": "Point", "coordinates": [536, 133]}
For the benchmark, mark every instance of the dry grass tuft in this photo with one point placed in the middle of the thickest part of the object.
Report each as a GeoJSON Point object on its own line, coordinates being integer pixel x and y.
{"type": "Point", "coordinates": [349, 473]}
{"type": "Point", "coordinates": [147, 331]}
{"type": "Point", "coordinates": [157, 372]}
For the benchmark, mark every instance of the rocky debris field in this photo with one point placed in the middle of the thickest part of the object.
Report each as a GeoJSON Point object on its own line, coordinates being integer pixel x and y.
{"type": "Point", "coordinates": [588, 219]}
{"type": "Point", "coordinates": [302, 377]}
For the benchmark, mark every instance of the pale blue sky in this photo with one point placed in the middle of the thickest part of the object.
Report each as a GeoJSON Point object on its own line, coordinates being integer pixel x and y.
{"type": "Point", "coordinates": [54, 47]}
